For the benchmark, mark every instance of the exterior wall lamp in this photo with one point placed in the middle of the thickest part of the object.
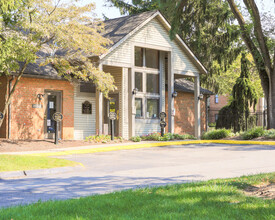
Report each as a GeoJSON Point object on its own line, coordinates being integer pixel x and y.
{"type": "Point", "coordinates": [174, 94]}
{"type": "Point", "coordinates": [134, 92]}
{"type": "Point", "coordinates": [200, 97]}
{"type": "Point", "coordinates": [40, 96]}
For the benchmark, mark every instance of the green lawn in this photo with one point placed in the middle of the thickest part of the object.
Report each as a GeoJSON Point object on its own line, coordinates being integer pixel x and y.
{"type": "Point", "coordinates": [216, 199]}
{"type": "Point", "coordinates": [22, 162]}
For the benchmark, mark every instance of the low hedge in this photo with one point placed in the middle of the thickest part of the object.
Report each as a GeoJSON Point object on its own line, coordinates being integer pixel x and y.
{"type": "Point", "coordinates": [216, 134]}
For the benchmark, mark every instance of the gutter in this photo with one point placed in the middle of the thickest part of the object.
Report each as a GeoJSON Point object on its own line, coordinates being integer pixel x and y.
{"type": "Point", "coordinates": [9, 109]}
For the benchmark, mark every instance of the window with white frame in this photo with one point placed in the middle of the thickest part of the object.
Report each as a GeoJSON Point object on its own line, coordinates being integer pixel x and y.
{"type": "Point", "coordinates": [147, 82]}
{"type": "Point", "coordinates": [216, 99]}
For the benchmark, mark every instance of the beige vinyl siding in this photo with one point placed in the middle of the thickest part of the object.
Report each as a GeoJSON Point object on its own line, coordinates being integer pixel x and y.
{"type": "Point", "coordinates": [154, 34]}
{"type": "Point", "coordinates": [84, 124]}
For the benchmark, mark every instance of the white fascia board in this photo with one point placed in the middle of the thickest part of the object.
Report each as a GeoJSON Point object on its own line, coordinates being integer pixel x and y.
{"type": "Point", "coordinates": [129, 35]}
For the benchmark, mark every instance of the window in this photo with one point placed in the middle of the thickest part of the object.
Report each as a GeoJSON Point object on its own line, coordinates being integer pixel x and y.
{"type": "Point", "coordinates": [152, 83]}
{"type": "Point", "coordinates": [216, 98]}
{"type": "Point", "coordinates": [138, 56]}
{"type": "Point", "coordinates": [152, 58]}
{"type": "Point", "coordinates": [152, 108]}
{"type": "Point", "coordinates": [216, 117]}
{"type": "Point", "coordinates": [138, 81]}
{"type": "Point", "coordinates": [138, 104]}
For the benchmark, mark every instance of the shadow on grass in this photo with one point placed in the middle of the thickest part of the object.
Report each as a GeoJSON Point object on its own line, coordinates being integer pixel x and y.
{"type": "Point", "coordinates": [192, 201]}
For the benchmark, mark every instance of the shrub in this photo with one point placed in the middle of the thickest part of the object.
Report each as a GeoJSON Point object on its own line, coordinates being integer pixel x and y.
{"type": "Point", "coordinates": [253, 133]}
{"type": "Point", "coordinates": [135, 139]}
{"type": "Point", "coordinates": [166, 137]}
{"type": "Point", "coordinates": [270, 134]}
{"type": "Point", "coordinates": [98, 138]}
{"type": "Point", "coordinates": [216, 134]}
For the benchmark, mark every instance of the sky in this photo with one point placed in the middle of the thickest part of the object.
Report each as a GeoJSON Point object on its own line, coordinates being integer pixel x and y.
{"type": "Point", "coordinates": [112, 12]}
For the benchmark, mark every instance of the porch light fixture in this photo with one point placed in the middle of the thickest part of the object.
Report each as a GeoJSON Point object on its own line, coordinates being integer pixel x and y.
{"type": "Point", "coordinates": [40, 96]}
{"type": "Point", "coordinates": [200, 97]}
{"type": "Point", "coordinates": [134, 92]}
{"type": "Point", "coordinates": [174, 94]}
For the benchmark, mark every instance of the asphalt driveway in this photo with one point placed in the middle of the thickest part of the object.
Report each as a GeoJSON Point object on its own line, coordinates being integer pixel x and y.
{"type": "Point", "coordinates": [118, 170]}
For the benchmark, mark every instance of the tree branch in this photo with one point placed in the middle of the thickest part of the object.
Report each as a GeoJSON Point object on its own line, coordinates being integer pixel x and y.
{"type": "Point", "coordinates": [258, 31]}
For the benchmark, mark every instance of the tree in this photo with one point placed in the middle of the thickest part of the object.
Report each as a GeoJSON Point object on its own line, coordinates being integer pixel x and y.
{"type": "Point", "coordinates": [244, 97]}
{"type": "Point", "coordinates": [66, 33]}
{"type": "Point", "coordinates": [210, 29]}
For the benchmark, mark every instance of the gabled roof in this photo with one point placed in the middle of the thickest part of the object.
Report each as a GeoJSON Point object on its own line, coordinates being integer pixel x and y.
{"type": "Point", "coordinates": [120, 29]}
{"type": "Point", "coordinates": [183, 85]}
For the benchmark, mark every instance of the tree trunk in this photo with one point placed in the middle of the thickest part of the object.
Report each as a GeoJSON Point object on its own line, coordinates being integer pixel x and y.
{"type": "Point", "coordinates": [11, 92]}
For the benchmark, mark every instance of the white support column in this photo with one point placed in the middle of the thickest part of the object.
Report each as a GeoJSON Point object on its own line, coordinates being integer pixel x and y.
{"type": "Point", "coordinates": [99, 109]}
{"type": "Point", "coordinates": [170, 91]}
{"type": "Point", "coordinates": [197, 108]}
{"type": "Point", "coordinates": [131, 104]}
{"type": "Point", "coordinates": [125, 101]}
{"type": "Point", "coordinates": [162, 80]}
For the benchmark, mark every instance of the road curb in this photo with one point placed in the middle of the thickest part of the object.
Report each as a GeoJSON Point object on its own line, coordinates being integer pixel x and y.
{"type": "Point", "coordinates": [40, 172]}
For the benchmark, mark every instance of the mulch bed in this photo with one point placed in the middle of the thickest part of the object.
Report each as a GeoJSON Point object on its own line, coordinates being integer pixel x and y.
{"type": "Point", "coordinates": [38, 145]}
{"type": "Point", "coordinates": [264, 191]}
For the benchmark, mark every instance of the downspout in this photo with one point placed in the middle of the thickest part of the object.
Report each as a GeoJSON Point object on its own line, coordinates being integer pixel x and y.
{"type": "Point", "coordinates": [206, 112]}
{"type": "Point", "coordinates": [9, 109]}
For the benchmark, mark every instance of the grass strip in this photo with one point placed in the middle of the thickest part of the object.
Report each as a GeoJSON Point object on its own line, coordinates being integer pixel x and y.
{"type": "Point", "coordinates": [148, 145]}
{"type": "Point", "coordinates": [215, 199]}
{"type": "Point", "coordinates": [26, 162]}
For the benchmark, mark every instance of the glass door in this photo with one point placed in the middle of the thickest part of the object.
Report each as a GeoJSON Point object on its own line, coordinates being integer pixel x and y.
{"type": "Point", "coordinates": [53, 105]}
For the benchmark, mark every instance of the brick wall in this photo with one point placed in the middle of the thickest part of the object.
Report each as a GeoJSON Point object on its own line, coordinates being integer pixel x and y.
{"type": "Point", "coordinates": [185, 111]}
{"type": "Point", "coordinates": [215, 107]}
{"type": "Point", "coordinates": [28, 122]}
{"type": "Point", "coordinates": [3, 90]}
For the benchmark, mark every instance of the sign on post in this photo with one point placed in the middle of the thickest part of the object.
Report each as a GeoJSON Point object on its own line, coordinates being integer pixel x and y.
{"type": "Point", "coordinates": [162, 123]}
{"type": "Point", "coordinates": [57, 117]}
{"type": "Point", "coordinates": [112, 117]}
{"type": "Point", "coordinates": [1, 115]}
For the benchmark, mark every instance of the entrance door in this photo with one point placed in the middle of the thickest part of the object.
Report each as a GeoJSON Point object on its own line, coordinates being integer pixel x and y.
{"type": "Point", "coordinates": [53, 105]}
{"type": "Point", "coordinates": [112, 105]}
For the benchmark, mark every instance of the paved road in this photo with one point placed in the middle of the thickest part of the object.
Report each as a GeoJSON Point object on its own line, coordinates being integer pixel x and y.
{"type": "Point", "coordinates": [117, 170]}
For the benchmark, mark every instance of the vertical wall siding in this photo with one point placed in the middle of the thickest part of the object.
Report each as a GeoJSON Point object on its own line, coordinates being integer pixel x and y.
{"type": "Point", "coordinates": [84, 124]}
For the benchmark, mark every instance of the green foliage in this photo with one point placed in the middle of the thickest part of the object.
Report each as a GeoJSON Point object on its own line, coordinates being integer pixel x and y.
{"type": "Point", "coordinates": [244, 95]}
{"type": "Point", "coordinates": [166, 137]}
{"type": "Point", "coordinates": [216, 134]}
{"type": "Point", "coordinates": [102, 138]}
{"type": "Point", "coordinates": [212, 124]}
{"type": "Point", "coordinates": [136, 139]}
{"type": "Point", "coordinates": [253, 133]}
{"type": "Point", "coordinates": [270, 133]}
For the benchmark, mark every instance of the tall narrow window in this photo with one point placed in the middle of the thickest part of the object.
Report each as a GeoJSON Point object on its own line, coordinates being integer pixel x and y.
{"type": "Point", "coordinates": [152, 83]}
{"type": "Point", "coordinates": [152, 108]}
{"type": "Point", "coordinates": [138, 56]}
{"type": "Point", "coordinates": [152, 58]}
{"type": "Point", "coordinates": [138, 104]}
{"type": "Point", "coordinates": [216, 98]}
{"type": "Point", "coordinates": [138, 81]}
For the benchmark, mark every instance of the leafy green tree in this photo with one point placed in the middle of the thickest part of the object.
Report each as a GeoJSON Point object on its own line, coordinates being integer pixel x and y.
{"type": "Point", "coordinates": [244, 97]}
{"type": "Point", "coordinates": [67, 33]}
{"type": "Point", "coordinates": [210, 29]}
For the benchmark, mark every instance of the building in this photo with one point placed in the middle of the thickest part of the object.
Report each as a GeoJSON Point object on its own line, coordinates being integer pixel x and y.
{"type": "Point", "coordinates": [217, 102]}
{"type": "Point", "coordinates": [148, 69]}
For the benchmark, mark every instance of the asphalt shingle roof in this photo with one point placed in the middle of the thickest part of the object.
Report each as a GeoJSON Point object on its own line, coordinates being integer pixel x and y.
{"type": "Point", "coordinates": [118, 28]}
{"type": "Point", "coordinates": [184, 85]}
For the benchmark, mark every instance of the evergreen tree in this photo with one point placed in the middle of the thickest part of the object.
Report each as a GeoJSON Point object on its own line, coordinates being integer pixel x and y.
{"type": "Point", "coordinates": [244, 98]}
